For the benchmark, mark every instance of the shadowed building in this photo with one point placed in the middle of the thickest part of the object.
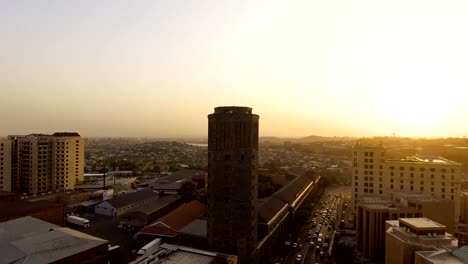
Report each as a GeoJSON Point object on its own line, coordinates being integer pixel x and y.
{"type": "Point", "coordinates": [233, 182]}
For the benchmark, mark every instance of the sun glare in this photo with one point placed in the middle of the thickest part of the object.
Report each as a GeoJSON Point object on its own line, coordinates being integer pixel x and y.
{"type": "Point", "coordinates": [420, 97]}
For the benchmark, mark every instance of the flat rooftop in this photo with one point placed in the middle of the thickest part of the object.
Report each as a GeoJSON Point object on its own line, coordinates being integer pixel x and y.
{"type": "Point", "coordinates": [30, 240]}
{"type": "Point", "coordinates": [426, 160]}
{"type": "Point", "coordinates": [421, 224]}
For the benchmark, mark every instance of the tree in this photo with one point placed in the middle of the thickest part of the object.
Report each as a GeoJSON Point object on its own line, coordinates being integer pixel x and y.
{"type": "Point", "coordinates": [188, 191]}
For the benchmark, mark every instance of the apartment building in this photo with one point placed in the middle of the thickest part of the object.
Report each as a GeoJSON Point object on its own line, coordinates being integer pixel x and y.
{"type": "Point", "coordinates": [5, 165]}
{"type": "Point", "coordinates": [44, 163]}
{"type": "Point", "coordinates": [373, 174]}
{"type": "Point", "coordinates": [407, 236]}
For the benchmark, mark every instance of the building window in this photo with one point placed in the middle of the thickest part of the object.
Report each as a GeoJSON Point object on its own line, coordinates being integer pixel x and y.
{"type": "Point", "coordinates": [432, 189]}
{"type": "Point", "coordinates": [391, 186]}
{"type": "Point", "coordinates": [422, 188]}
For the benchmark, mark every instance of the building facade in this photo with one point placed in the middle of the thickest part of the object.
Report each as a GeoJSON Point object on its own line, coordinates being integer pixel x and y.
{"type": "Point", "coordinates": [373, 174]}
{"type": "Point", "coordinates": [408, 235]}
{"type": "Point", "coordinates": [233, 182]}
{"type": "Point", "coordinates": [5, 165]}
{"type": "Point", "coordinates": [44, 163]}
{"type": "Point", "coordinates": [373, 212]}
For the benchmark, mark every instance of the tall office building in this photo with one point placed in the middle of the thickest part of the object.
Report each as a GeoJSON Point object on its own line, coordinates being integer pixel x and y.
{"type": "Point", "coordinates": [233, 182]}
{"type": "Point", "coordinates": [373, 174]}
{"type": "Point", "coordinates": [43, 163]}
{"type": "Point", "coordinates": [5, 165]}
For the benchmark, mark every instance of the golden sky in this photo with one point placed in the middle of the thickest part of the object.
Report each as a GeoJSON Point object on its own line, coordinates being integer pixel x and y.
{"type": "Point", "coordinates": [158, 68]}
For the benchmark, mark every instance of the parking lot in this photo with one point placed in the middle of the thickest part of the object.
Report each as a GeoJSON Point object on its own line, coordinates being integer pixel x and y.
{"type": "Point", "coordinates": [105, 227]}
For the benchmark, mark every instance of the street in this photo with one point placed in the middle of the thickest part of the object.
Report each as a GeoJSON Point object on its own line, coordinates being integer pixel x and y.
{"type": "Point", "coordinates": [313, 241]}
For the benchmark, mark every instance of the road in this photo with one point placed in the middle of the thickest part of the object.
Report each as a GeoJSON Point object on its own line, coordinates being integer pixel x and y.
{"type": "Point", "coordinates": [332, 201]}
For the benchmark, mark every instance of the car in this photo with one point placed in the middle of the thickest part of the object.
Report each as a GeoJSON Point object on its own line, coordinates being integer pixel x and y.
{"type": "Point", "coordinates": [329, 228]}
{"type": "Point", "coordinates": [299, 258]}
{"type": "Point", "coordinates": [299, 246]}
{"type": "Point", "coordinates": [309, 231]}
{"type": "Point", "coordinates": [321, 253]}
{"type": "Point", "coordinates": [294, 245]}
{"type": "Point", "coordinates": [317, 247]}
{"type": "Point", "coordinates": [312, 243]}
{"type": "Point", "coordinates": [315, 236]}
{"type": "Point", "coordinates": [308, 237]}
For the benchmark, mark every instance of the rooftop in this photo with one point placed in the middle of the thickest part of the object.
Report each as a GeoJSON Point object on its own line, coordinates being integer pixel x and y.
{"type": "Point", "coordinates": [421, 224]}
{"type": "Point", "coordinates": [197, 227]}
{"type": "Point", "coordinates": [181, 219]}
{"type": "Point", "coordinates": [444, 256]}
{"type": "Point", "coordinates": [178, 176]}
{"type": "Point", "coordinates": [127, 199]}
{"type": "Point", "coordinates": [30, 240]}
{"type": "Point", "coordinates": [425, 160]}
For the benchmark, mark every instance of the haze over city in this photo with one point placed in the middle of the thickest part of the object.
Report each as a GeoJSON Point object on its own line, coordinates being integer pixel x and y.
{"type": "Point", "coordinates": [157, 68]}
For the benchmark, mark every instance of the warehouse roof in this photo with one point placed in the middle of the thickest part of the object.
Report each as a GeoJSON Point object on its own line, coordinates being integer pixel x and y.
{"type": "Point", "coordinates": [30, 240]}
{"type": "Point", "coordinates": [131, 198]}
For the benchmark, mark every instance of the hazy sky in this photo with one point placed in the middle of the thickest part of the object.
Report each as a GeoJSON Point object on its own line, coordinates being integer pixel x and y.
{"type": "Point", "coordinates": [157, 68]}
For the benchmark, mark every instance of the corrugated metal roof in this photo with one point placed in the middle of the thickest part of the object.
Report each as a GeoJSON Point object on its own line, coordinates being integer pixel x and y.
{"type": "Point", "coordinates": [462, 253]}
{"type": "Point", "coordinates": [128, 199]}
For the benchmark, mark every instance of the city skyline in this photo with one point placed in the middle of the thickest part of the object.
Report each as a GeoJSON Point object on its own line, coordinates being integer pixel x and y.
{"type": "Point", "coordinates": [154, 69]}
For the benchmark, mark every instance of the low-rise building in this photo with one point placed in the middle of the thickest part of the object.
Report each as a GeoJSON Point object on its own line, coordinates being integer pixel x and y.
{"type": "Point", "coordinates": [188, 219]}
{"type": "Point", "coordinates": [120, 205]}
{"type": "Point", "coordinates": [44, 210]}
{"type": "Point", "coordinates": [442, 256]}
{"type": "Point", "coordinates": [373, 211]}
{"type": "Point", "coordinates": [150, 212]}
{"type": "Point", "coordinates": [169, 254]}
{"type": "Point", "coordinates": [29, 240]}
{"type": "Point", "coordinates": [409, 235]}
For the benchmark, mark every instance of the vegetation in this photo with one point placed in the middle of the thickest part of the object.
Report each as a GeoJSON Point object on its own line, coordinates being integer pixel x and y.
{"type": "Point", "coordinates": [188, 191]}
{"type": "Point", "coordinates": [266, 187]}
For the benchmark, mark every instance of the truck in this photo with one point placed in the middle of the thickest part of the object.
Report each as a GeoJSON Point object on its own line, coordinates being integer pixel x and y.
{"type": "Point", "coordinates": [149, 248]}
{"type": "Point", "coordinates": [76, 220]}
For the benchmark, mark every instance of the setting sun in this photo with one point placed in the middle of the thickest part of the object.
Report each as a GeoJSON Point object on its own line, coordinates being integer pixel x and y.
{"type": "Point", "coordinates": [421, 96]}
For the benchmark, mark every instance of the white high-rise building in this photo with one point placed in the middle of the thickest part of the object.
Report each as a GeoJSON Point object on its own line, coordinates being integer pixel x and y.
{"type": "Point", "coordinates": [374, 174]}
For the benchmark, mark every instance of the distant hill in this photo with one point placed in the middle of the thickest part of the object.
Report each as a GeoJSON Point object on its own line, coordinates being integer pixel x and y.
{"type": "Point", "coordinates": [308, 139]}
